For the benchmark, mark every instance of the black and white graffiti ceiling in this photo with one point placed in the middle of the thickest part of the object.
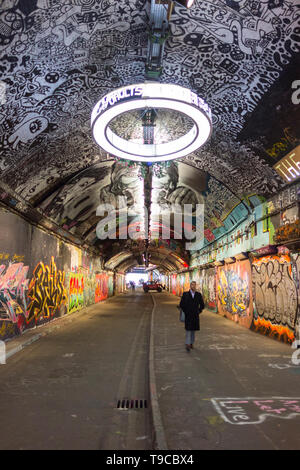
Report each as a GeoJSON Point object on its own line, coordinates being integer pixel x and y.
{"type": "Point", "coordinates": [58, 57]}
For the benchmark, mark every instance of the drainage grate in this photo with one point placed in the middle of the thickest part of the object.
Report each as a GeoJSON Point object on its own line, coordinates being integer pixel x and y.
{"type": "Point", "coordinates": [131, 404]}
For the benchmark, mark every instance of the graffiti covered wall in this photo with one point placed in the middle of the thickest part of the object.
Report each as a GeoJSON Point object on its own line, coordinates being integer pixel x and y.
{"type": "Point", "coordinates": [42, 277]}
{"type": "Point", "coordinates": [234, 294]}
{"type": "Point", "coordinates": [120, 283]}
{"type": "Point", "coordinates": [47, 293]}
{"type": "Point", "coordinates": [274, 283]}
{"type": "Point", "coordinates": [76, 291]}
{"type": "Point", "coordinates": [206, 283]}
{"type": "Point", "coordinates": [104, 286]}
{"type": "Point", "coordinates": [13, 299]}
{"type": "Point", "coordinates": [262, 293]}
{"type": "Point", "coordinates": [173, 284]}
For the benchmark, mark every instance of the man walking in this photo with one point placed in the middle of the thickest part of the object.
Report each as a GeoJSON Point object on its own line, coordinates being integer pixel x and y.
{"type": "Point", "coordinates": [192, 304]}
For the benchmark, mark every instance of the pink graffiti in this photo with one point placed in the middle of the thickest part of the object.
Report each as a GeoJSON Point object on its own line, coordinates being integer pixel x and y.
{"type": "Point", "coordinates": [13, 286]}
{"type": "Point", "coordinates": [256, 410]}
{"type": "Point", "coordinates": [262, 405]}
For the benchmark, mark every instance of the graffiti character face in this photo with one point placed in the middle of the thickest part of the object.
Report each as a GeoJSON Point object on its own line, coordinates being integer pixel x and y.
{"type": "Point", "coordinates": [34, 126]}
{"type": "Point", "coordinates": [31, 126]}
{"type": "Point", "coordinates": [52, 77]}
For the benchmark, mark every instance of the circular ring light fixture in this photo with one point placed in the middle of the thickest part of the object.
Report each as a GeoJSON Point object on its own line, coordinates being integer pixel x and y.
{"type": "Point", "coordinates": [151, 96]}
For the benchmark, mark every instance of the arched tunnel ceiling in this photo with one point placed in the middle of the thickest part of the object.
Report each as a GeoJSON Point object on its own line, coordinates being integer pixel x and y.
{"type": "Point", "coordinates": [57, 58]}
{"type": "Point", "coordinates": [161, 256]}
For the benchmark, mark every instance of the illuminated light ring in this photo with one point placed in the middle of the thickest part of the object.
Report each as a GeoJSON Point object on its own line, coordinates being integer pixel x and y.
{"type": "Point", "coordinates": [157, 96]}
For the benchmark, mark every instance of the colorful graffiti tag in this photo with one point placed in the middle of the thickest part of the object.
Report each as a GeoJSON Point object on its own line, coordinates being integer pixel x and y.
{"type": "Point", "coordinates": [89, 289]}
{"type": "Point", "coordinates": [47, 294]}
{"type": "Point", "coordinates": [23, 303]}
{"type": "Point", "coordinates": [206, 284]}
{"type": "Point", "coordinates": [13, 303]}
{"type": "Point", "coordinates": [104, 286]}
{"type": "Point", "coordinates": [275, 297]}
{"type": "Point", "coordinates": [173, 284]}
{"type": "Point", "coordinates": [76, 291]}
{"type": "Point", "coordinates": [180, 283]}
{"type": "Point", "coordinates": [186, 282]}
{"type": "Point", "coordinates": [234, 292]}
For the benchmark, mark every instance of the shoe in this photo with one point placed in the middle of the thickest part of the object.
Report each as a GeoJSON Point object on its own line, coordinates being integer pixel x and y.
{"type": "Point", "coordinates": [187, 347]}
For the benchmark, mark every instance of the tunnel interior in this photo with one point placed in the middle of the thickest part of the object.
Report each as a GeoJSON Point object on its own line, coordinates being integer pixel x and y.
{"type": "Point", "coordinates": [57, 60]}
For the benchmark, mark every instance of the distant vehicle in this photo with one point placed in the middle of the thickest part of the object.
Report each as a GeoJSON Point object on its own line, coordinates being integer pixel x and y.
{"type": "Point", "coordinates": [152, 285]}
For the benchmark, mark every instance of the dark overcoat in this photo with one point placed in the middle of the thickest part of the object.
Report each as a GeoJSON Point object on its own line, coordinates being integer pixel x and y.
{"type": "Point", "coordinates": [192, 307]}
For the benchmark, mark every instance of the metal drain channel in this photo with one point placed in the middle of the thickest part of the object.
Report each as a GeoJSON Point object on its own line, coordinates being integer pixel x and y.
{"type": "Point", "coordinates": [132, 404]}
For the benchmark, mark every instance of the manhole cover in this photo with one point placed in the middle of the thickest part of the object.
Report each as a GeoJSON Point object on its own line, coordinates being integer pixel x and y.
{"type": "Point", "coordinates": [127, 404]}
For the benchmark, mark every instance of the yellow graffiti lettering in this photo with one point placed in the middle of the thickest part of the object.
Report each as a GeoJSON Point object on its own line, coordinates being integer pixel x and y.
{"type": "Point", "coordinates": [46, 291]}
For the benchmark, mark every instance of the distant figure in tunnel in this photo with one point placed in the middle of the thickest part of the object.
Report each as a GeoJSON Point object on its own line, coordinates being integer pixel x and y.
{"type": "Point", "coordinates": [192, 305]}
{"type": "Point", "coordinates": [132, 284]}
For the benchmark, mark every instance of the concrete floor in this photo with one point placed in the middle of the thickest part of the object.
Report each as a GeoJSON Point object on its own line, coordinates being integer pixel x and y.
{"type": "Point", "coordinates": [61, 392]}
{"type": "Point", "coordinates": [215, 396]}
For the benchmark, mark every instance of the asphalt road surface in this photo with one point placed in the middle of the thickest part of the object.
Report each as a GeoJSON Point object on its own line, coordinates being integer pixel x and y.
{"type": "Point", "coordinates": [63, 391]}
